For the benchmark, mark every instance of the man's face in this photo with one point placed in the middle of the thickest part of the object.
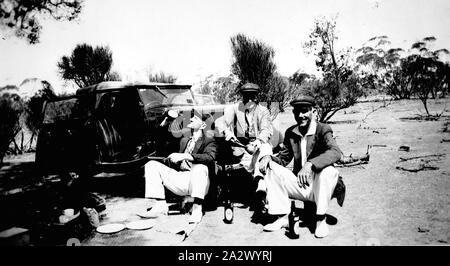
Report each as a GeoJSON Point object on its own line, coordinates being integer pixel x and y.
{"type": "Point", "coordinates": [303, 115]}
{"type": "Point", "coordinates": [195, 123]}
{"type": "Point", "coordinates": [248, 96]}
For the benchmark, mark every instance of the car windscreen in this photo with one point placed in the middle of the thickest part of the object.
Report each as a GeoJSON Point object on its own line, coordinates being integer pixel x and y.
{"type": "Point", "coordinates": [204, 99]}
{"type": "Point", "coordinates": [61, 110]}
{"type": "Point", "coordinates": [173, 96]}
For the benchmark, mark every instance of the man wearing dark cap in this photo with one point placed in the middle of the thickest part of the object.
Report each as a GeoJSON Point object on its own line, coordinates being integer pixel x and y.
{"type": "Point", "coordinates": [250, 123]}
{"type": "Point", "coordinates": [313, 178]}
{"type": "Point", "coordinates": [188, 174]}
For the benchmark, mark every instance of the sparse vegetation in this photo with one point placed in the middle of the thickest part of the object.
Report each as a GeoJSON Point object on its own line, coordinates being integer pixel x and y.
{"type": "Point", "coordinates": [162, 77]}
{"type": "Point", "coordinates": [341, 86]}
{"type": "Point", "coordinates": [33, 109]}
{"type": "Point", "coordinates": [254, 62]}
{"type": "Point", "coordinates": [223, 88]}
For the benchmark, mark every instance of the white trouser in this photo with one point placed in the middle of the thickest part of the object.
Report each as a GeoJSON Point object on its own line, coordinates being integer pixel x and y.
{"type": "Point", "coordinates": [282, 186]}
{"type": "Point", "coordinates": [251, 162]}
{"type": "Point", "coordinates": [194, 183]}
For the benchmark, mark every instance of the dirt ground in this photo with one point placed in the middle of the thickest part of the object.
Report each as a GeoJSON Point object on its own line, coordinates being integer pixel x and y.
{"type": "Point", "coordinates": [385, 203]}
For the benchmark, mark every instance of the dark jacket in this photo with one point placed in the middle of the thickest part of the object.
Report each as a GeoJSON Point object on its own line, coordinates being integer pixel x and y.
{"type": "Point", "coordinates": [205, 151]}
{"type": "Point", "coordinates": [321, 149]}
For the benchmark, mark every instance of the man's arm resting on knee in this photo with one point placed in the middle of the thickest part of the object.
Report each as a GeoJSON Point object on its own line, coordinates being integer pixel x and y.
{"type": "Point", "coordinates": [332, 152]}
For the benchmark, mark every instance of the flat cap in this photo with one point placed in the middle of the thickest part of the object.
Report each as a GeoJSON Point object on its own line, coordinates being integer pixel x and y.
{"type": "Point", "coordinates": [249, 87]}
{"type": "Point", "coordinates": [305, 98]}
{"type": "Point", "coordinates": [303, 101]}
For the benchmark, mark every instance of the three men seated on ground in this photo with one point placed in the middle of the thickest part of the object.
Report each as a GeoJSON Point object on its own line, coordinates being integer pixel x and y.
{"type": "Point", "coordinates": [309, 143]}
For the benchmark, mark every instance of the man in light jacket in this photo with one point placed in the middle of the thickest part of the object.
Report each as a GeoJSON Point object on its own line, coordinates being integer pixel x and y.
{"type": "Point", "coordinates": [249, 122]}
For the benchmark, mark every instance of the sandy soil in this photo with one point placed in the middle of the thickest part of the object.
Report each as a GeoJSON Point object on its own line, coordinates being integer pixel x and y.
{"type": "Point", "coordinates": [383, 206]}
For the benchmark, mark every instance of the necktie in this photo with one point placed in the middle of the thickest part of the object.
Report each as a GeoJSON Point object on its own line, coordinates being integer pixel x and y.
{"type": "Point", "coordinates": [186, 165]}
{"type": "Point", "coordinates": [190, 146]}
{"type": "Point", "coordinates": [247, 130]}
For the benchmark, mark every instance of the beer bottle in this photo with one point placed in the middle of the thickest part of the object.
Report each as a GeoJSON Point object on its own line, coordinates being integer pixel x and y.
{"type": "Point", "coordinates": [228, 212]}
{"type": "Point", "coordinates": [293, 226]}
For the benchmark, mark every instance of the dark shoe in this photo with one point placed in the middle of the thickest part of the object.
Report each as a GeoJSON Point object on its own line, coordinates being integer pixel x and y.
{"type": "Point", "coordinates": [339, 192]}
{"type": "Point", "coordinates": [92, 216]}
{"type": "Point", "coordinates": [260, 202]}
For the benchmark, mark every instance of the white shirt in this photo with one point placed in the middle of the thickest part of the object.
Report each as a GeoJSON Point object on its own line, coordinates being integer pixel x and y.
{"type": "Point", "coordinates": [249, 115]}
{"type": "Point", "coordinates": [191, 142]}
{"type": "Point", "coordinates": [311, 131]}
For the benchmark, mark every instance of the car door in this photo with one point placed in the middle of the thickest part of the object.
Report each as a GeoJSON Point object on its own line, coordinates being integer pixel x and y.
{"type": "Point", "coordinates": [62, 144]}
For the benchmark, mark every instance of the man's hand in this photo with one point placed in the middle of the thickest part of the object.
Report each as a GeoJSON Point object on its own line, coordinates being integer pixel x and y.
{"type": "Point", "coordinates": [250, 148]}
{"type": "Point", "coordinates": [305, 175]}
{"type": "Point", "coordinates": [257, 143]}
{"type": "Point", "coordinates": [264, 163]}
{"type": "Point", "coordinates": [253, 146]}
{"type": "Point", "coordinates": [177, 157]}
{"type": "Point", "coordinates": [229, 135]}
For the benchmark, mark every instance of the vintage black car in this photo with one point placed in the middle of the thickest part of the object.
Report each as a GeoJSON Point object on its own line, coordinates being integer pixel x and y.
{"type": "Point", "coordinates": [114, 126]}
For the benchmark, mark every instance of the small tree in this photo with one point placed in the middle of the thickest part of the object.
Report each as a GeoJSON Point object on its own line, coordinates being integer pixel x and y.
{"type": "Point", "coordinates": [341, 86]}
{"type": "Point", "coordinates": [33, 109]}
{"type": "Point", "coordinates": [162, 77]}
{"type": "Point", "coordinates": [205, 86]}
{"type": "Point", "coordinates": [299, 77]}
{"type": "Point", "coordinates": [87, 65]}
{"type": "Point", "coordinates": [381, 66]}
{"type": "Point", "coordinates": [282, 91]}
{"type": "Point", "coordinates": [443, 73]}
{"type": "Point", "coordinates": [11, 108]}
{"type": "Point", "coordinates": [113, 76]}
{"type": "Point", "coordinates": [22, 16]}
{"type": "Point", "coordinates": [222, 88]}
{"type": "Point", "coordinates": [253, 62]}
{"type": "Point", "coordinates": [399, 85]}
{"type": "Point", "coordinates": [426, 72]}
{"type": "Point", "coordinates": [422, 73]}
{"type": "Point", "coordinates": [330, 98]}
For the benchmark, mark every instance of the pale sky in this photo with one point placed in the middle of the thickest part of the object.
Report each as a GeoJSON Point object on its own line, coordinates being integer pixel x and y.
{"type": "Point", "coordinates": [191, 38]}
